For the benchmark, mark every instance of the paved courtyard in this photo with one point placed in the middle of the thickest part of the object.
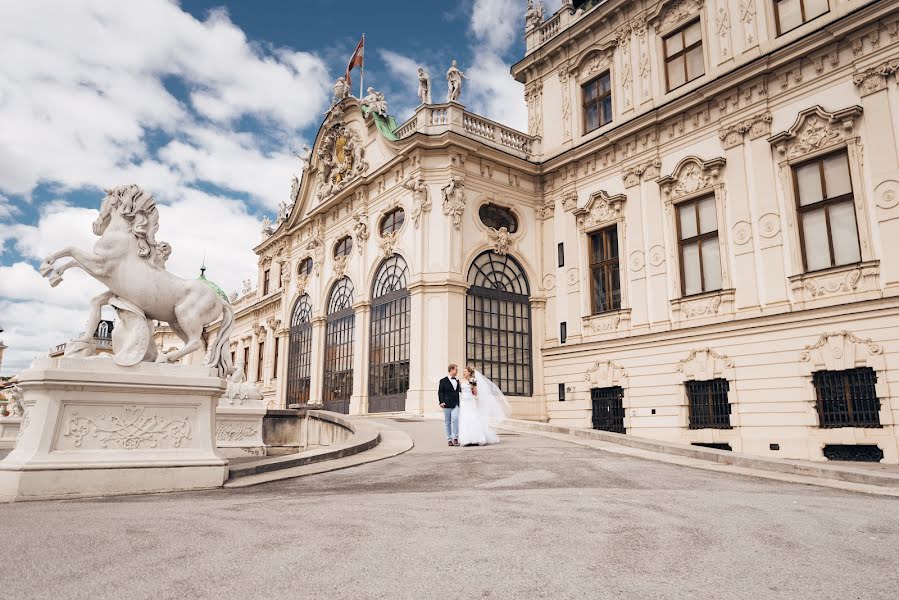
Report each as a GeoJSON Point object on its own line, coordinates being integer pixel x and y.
{"type": "Point", "coordinates": [530, 518]}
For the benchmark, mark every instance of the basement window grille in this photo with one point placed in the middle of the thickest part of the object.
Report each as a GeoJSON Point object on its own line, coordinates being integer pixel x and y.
{"type": "Point", "coordinates": [709, 408]}
{"type": "Point", "coordinates": [847, 398]}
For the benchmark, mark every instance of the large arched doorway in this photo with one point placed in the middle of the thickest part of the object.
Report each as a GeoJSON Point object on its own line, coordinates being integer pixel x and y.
{"type": "Point", "coordinates": [388, 379]}
{"type": "Point", "coordinates": [337, 384]}
{"type": "Point", "coordinates": [299, 359]}
{"type": "Point", "coordinates": [498, 323]}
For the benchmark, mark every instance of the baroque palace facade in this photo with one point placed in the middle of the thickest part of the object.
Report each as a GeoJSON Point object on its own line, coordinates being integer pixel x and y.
{"type": "Point", "coordinates": [695, 241]}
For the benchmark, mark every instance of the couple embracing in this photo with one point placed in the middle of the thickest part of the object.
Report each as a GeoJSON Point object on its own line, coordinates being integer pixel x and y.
{"type": "Point", "coordinates": [470, 406]}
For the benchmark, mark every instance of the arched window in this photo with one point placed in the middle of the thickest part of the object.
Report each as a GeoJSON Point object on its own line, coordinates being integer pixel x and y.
{"type": "Point", "coordinates": [388, 379]}
{"type": "Point", "coordinates": [103, 330]}
{"type": "Point", "coordinates": [393, 221]}
{"type": "Point", "coordinates": [343, 247]}
{"type": "Point", "coordinates": [341, 323]}
{"type": "Point", "coordinates": [299, 359]}
{"type": "Point", "coordinates": [498, 323]}
{"type": "Point", "coordinates": [305, 268]}
{"type": "Point", "coordinates": [495, 216]}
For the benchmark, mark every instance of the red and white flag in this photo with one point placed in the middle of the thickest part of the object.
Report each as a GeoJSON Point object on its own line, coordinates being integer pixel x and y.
{"type": "Point", "coordinates": [357, 60]}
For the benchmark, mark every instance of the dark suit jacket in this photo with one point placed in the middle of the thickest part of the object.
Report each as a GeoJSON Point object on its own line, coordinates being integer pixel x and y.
{"type": "Point", "coordinates": [446, 394]}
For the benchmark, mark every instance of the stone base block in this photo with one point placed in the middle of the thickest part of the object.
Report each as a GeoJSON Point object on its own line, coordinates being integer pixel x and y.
{"type": "Point", "coordinates": [238, 429]}
{"type": "Point", "coordinates": [9, 431]}
{"type": "Point", "coordinates": [93, 428]}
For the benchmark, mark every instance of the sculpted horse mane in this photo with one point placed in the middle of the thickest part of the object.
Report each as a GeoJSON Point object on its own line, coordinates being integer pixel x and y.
{"type": "Point", "coordinates": [139, 208]}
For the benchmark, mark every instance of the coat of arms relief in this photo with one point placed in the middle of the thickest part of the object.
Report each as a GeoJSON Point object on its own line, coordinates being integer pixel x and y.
{"type": "Point", "coordinates": [341, 156]}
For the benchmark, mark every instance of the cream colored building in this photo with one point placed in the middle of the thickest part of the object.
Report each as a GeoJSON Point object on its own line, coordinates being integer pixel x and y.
{"type": "Point", "coordinates": [701, 236]}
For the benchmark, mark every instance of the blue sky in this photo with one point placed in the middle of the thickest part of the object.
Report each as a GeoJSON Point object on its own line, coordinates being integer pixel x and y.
{"type": "Point", "coordinates": [200, 102]}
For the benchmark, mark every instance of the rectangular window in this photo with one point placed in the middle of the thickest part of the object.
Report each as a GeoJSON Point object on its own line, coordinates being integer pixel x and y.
{"type": "Point", "coordinates": [709, 408]}
{"type": "Point", "coordinates": [260, 362]}
{"type": "Point", "coordinates": [826, 207]}
{"type": "Point", "coordinates": [605, 278]}
{"type": "Point", "coordinates": [790, 14]}
{"type": "Point", "coordinates": [608, 409]}
{"type": "Point", "coordinates": [597, 102]}
{"type": "Point", "coordinates": [561, 392]}
{"type": "Point", "coordinates": [700, 254]}
{"type": "Point", "coordinates": [847, 398]}
{"type": "Point", "coordinates": [561, 254]}
{"type": "Point", "coordinates": [265, 279]}
{"type": "Point", "coordinates": [275, 358]}
{"type": "Point", "coordinates": [563, 332]}
{"type": "Point", "coordinates": [684, 60]}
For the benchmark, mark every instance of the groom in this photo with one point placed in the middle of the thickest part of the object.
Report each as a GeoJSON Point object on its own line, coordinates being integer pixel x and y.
{"type": "Point", "coordinates": [448, 396]}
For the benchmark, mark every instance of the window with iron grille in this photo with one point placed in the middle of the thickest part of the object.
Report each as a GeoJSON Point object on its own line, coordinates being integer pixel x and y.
{"type": "Point", "coordinates": [495, 216]}
{"type": "Point", "coordinates": [826, 206]}
{"type": "Point", "coordinates": [337, 383]}
{"type": "Point", "coordinates": [393, 221]}
{"type": "Point", "coordinates": [604, 270]}
{"type": "Point", "coordinates": [847, 398]}
{"type": "Point", "coordinates": [709, 407]}
{"type": "Point", "coordinates": [608, 409]}
{"type": "Point", "coordinates": [684, 60]}
{"type": "Point", "coordinates": [790, 14]}
{"type": "Point", "coordinates": [299, 358]}
{"type": "Point", "coordinates": [388, 358]}
{"type": "Point", "coordinates": [700, 252]}
{"type": "Point", "coordinates": [343, 247]}
{"type": "Point", "coordinates": [498, 322]}
{"type": "Point", "coordinates": [597, 102]}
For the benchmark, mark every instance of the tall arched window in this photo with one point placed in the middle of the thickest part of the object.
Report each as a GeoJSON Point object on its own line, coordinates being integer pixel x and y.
{"type": "Point", "coordinates": [388, 361]}
{"type": "Point", "coordinates": [337, 384]}
{"type": "Point", "coordinates": [498, 323]}
{"type": "Point", "coordinates": [299, 360]}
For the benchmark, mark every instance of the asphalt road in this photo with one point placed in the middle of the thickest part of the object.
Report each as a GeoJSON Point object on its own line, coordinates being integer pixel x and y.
{"type": "Point", "coordinates": [530, 518]}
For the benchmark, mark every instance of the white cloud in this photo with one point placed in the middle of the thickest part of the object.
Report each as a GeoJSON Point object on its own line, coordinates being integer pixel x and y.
{"type": "Point", "coordinates": [405, 69]}
{"type": "Point", "coordinates": [7, 210]}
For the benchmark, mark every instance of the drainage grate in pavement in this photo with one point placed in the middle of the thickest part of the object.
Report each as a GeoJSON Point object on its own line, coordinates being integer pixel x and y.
{"type": "Point", "coordinates": [402, 420]}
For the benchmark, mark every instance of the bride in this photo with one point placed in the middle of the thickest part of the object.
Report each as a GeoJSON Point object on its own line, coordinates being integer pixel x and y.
{"type": "Point", "coordinates": [482, 405]}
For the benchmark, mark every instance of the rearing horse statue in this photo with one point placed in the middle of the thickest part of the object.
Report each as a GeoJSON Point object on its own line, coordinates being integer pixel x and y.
{"type": "Point", "coordinates": [129, 261]}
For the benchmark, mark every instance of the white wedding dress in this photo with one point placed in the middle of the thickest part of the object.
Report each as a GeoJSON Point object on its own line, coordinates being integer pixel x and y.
{"type": "Point", "coordinates": [477, 414]}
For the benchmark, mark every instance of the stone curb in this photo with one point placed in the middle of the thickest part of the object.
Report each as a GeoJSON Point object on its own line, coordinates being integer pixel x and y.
{"type": "Point", "coordinates": [807, 469]}
{"type": "Point", "coordinates": [364, 437]}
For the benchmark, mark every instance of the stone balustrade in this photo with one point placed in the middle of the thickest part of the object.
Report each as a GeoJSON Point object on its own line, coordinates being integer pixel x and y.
{"type": "Point", "coordinates": [435, 119]}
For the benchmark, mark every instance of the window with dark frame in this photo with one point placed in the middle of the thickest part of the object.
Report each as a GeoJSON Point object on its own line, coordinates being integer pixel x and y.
{"type": "Point", "coordinates": [561, 254]}
{"type": "Point", "coordinates": [389, 347]}
{"type": "Point", "coordinates": [343, 247]}
{"type": "Point", "coordinates": [684, 60]}
{"type": "Point", "coordinates": [597, 102]}
{"type": "Point", "coordinates": [246, 362]}
{"type": "Point", "coordinates": [708, 404]}
{"type": "Point", "coordinates": [305, 268]}
{"type": "Point", "coordinates": [495, 216]}
{"type": "Point", "coordinates": [337, 382]}
{"type": "Point", "coordinates": [608, 409]}
{"type": "Point", "coordinates": [561, 392]}
{"type": "Point", "coordinates": [563, 332]}
{"type": "Point", "coordinates": [275, 358]}
{"type": "Point", "coordinates": [698, 247]}
{"type": "Point", "coordinates": [498, 323]}
{"type": "Point", "coordinates": [605, 275]}
{"type": "Point", "coordinates": [260, 362]}
{"type": "Point", "coordinates": [790, 14]}
{"type": "Point", "coordinates": [266, 276]}
{"type": "Point", "coordinates": [393, 221]}
{"type": "Point", "coordinates": [826, 205]}
{"type": "Point", "coordinates": [847, 398]}
{"type": "Point", "coordinates": [299, 357]}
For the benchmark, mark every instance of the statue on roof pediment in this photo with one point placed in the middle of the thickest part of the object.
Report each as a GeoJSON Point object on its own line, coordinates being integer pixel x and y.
{"type": "Point", "coordinates": [341, 155]}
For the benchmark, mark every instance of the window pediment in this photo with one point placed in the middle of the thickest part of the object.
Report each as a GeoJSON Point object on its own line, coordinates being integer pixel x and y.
{"type": "Point", "coordinates": [816, 129]}
{"type": "Point", "coordinates": [691, 175]}
{"type": "Point", "coordinates": [601, 208]}
{"type": "Point", "coordinates": [593, 61]}
{"type": "Point", "coordinates": [669, 15]}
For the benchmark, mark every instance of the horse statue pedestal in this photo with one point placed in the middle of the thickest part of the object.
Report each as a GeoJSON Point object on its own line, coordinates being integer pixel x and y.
{"type": "Point", "coordinates": [9, 431]}
{"type": "Point", "coordinates": [94, 428]}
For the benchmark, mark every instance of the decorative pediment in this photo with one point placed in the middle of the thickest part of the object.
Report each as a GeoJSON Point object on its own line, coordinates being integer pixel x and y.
{"type": "Point", "coordinates": [840, 350]}
{"type": "Point", "coordinates": [669, 15]}
{"type": "Point", "coordinates": [816, 129]}
{"type": "Point", "coordinates": [340, 155]}
{"type": "Point", "coordinates": [703, 364]}
{"type": "Point", "coordinates": [594, 61]}
{"type": "Point", "coordinates": [606, 373]}
{"type": "Point", "coordinates": [600, 209]}
{"type": "Point", "coordinates": [691, 175]}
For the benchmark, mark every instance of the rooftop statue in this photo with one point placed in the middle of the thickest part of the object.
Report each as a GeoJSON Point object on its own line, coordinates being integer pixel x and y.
{"type": "Point", "coordinates": [375, 102]}
{"type": "Point", "coordinates": [424, 86]}
{"type": "Point", "coordinates": [534, 14]}
{"type": "Point", "coordinates": [129, 261]}
{"type": "Point", "coordinates": [341, 90]}
{"type": "Point", "coordinates": [454, 79]}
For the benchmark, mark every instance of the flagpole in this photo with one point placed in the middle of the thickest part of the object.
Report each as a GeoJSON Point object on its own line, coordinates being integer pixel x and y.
{"type": "Point", "coordinates": [362, 72]}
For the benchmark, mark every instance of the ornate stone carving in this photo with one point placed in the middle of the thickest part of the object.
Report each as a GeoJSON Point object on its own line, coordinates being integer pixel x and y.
{"type": "Point", "coordinates": [569, 201]}
{"type": "Point", "coordinates": [742, 232]}
{"type": "Point", "coordinates": [835, 284]}
{"type": "Point", "coordinates": [234, 432]}
{"type": "Point", "coordinates": [657, 256]}
{"type": "Point", "coordinates": [886, 194]}
{"type": "Point", "coordinates": [601, 208]}
{"type": "Point", "coordinates": [302, 284]}
{"type": "Point", "coordinates": [421, 198]}
{"type": "Point", "coordinates": [239, 389]}
{"type": "Point", "coordinates": [360, 228]}
{"type": "Point", "coordinates": [374, 102]}
{"type": "Point", "coordinates": [549, 282]}
{"type": "Point", "coordinates": [690, 176]}
{"type": "Point", "coordinates": [814, 129]}
{"type": "Point", "coordinates": [705, 307]}
{"type": "Point", "coordinates": [340, 265]}
{"type": "Point", "coordinates": [424, 86]}
{"type": "Point", "coordinates": [747, 17]}
{"type": "Point", "coordinates": [836, 347]}
{"type": "Point", "coordinates": [875, 79]}
{"type": "Point", "coordinates": [627, 77]}
{"type": "Point", "coordinates": [769, 225]}
{"type": "Point", "coordinates": [533, 95]}
{"type": "Point", "coordinates": [637, 261]}
{"type": "Point", "coordinates": [500, 239]}
{"type": "Point", "coordinates": [454, 79]}
{"type": "Point", "coordinates": [609, 323]}
{"type": "Point", "coordinates": [454, 200]}
{"type": "Point", "coordinates": [565, 95]}
{"type": "Point", "coordinates": [645, 171]}
{"type": "Point", "coordinates": [15, 406]}
{"type": "Point", "coordinates": [316, 247]}
{"type": "Point", "coordinates": [757, 126]}
{"type": "Point", "coordinates": [341, 155]}
{"type": "Point", "coordinates": [605, 373]}
{"type": "Point", "coordinates": [534, 15]}
{"type": "Point", "coordinates": [341, 90]}
{"type": "Point", "coordinates": [387, 243]}
{"type": "Point", "coordinates": [676, 12]}
{"type": "Point", "coordinates": [137, 428]}
{"type": "Point", "coordinates": [722, 20]}
{"type": "Point", "coordinates": [596, 62]}
{"type": "Point", "coordinates": [704, 363]}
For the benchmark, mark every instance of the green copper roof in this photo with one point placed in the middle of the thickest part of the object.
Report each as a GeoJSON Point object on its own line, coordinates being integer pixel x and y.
{"type": "Point", "coordinates": [213, 286]}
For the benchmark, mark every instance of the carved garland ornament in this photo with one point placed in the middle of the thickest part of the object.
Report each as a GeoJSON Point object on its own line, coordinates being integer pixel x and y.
{"type": "Point", "coordinates": [132, 431]}
{"type": "Point", "coordinates": [837, 347]}
{"type": "Point", "coordinates": [875, 79]}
